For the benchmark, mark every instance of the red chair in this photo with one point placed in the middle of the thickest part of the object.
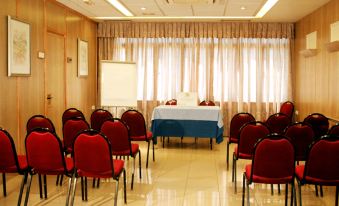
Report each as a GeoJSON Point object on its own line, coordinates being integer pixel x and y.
{"type": "Point", "coordinates": [207, 103]}
{"type": "Point", "coordinates": [171, 102]}
{"type": "Point", "coordinates": [137, 127]}
{"type": "Point", "coordinates": [278, 122]}
{"type": "Point", "coordinates": [70, 130]}
{"type": "Point", "coordinates": [321, 166]}
{"type": "Point", "coordinates": [10, 162]}
{"type": "Point", "coordinates": [98, 117]}
{"type": "Point", "coordinates": [249, 134]}
{"type": "Point", "coordinates": [319, 124]}
{"type": "Point", "coordinates": [45, 157]}
{"type": "Point", "coordinates": [287, 108]}
{"type": "Point", "coordinates": [334, 130]}
{"type": "Point", "coordinates": [273, 163]}
{"type": "Point", "coordinates": [39, 121]}
{"type": "Point", "coordinates": [93, 158]}
{"type": "Point", "coordinates": [237, 122]}
{"type": "Point", "coordinates": [71, 113]}
{"type": "Point", "coordinates": [301, 135]}
{"type": "Point", "coordinates": [117, 133]}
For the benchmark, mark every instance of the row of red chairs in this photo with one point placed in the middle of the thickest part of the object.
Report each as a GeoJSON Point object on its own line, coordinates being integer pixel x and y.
{"type": "Point", "coordinates": [116, 131]}
{"type": "Point", "coordinates": [274, 158]}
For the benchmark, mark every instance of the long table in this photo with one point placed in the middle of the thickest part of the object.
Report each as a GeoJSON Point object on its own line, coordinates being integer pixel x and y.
{"type": "Point", "coordinates": [188, 121]}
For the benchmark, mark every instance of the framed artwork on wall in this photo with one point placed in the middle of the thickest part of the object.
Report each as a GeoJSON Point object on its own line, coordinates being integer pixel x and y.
{"type": "Point", "coordinates": [82, 58]}
{"type": "Point", "coordinates": [19, 47]}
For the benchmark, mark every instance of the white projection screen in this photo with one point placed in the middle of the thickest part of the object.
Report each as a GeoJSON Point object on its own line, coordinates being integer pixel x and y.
{"type": "Point", "coordinates": [118, 84]}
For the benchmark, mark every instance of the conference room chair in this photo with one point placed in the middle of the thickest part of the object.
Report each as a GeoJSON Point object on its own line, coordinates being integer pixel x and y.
{"type": "Point", "coordinates": [334, 130]}
{"type": "Point", "coordinates": [171, 102]}
{"type": "Point", "coordinates": [98, 117]}
{"type": "Point", "coordinates": [273, 163]}
{"type": "Point", "coordinates": [278, 122]}
{"type": "Point", "coordinates": [92, 156]}
{"type": "Point", "coordinates": [10, 162]}
{"type": "Point", "coordinates": [319, 124]}
{"type": "Point", "coordinates": [117, 133]}
{"type": "Point", "coordinates": [287, 108]}
{"type": "Point", "coordinates": [138, 131]}
{"type": "Point", "coordinates": [45, 156]}
{"type": "Point", "coordinates": [237, 121]}
{"type": "Point", "coordinates": [39, 121]}
{"type": "Point", "coordinates": [301, 134]}
{"type": "Point", "coordinates": [321, 166]}
{"type": "Point", "coordinates": [249, 134]}
{"type": "Point", "coordinates": [71, 113]}
{"type": "Point", "coordinates": [70, 130]}
{"type": "Point", "coordinates": [207, 103]}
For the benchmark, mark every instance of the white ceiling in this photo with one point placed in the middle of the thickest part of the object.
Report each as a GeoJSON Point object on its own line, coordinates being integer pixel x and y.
{"type": "Point", "coordinates": [283, 11]}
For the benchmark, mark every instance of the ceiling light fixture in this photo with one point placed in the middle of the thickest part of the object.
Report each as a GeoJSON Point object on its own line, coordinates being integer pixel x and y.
{"type": "Point", "coordinates": [267, 6]}
{"type": "Point", "coordinates": [143, 8]}
{"type": "Point", "coordinates": [120, 7]}
{"type": "Point", "coordinates": [178, 18]}
{"type": "Point", "coordinates": [243, 7]}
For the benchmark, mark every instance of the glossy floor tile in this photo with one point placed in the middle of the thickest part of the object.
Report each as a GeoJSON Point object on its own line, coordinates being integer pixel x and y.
{"type": "Point", "coordinates": [186, 173]}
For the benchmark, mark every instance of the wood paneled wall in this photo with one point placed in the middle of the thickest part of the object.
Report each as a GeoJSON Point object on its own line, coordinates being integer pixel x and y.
{"type": "Point", "coordinates": [22, 97]}
{"type": "Point", "coordinates": [316, 78]}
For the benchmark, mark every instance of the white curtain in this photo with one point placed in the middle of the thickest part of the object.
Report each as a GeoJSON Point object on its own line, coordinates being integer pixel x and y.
{"type": "Point", "coordinates": [240, 74]}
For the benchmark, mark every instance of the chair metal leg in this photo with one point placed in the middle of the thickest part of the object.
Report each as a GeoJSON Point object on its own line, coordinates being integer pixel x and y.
{"type": "Point", "coordinates": [116, 192]}
{"type": "Point", "coordinates": [279, 189]}
{"type": "Point", "coordinates": [316, 190]}
{"type": "Point", "coordinates": [23, 182]}
{"type": "Point", "coordinates": [248, 192]}
{"type": "Point", "coordinates": [272, 192]}
{"type": "Point", "coordinates": [286, 194]}
{"type": "Point", "coordinates": [69, 189]}
{"type": "Point", "coordinates": [93, 183]}
{"type": "Point", "coordinates": [45, 186]}
{"type": "Point", "coordinates": [243, 190]}
{"type": "Point", "coordinates": [139, 164]}
{"type": "Point", "coordinates": [227, 154]}
{"type": "Point", "coordinates": [163, 142]}
{"type": "Point", "coordinates": [82, 189]}
{"type": "Point", "coordinates": [125, 195]}
{"type": "Point", "coordinates": [321, 191]}
{"type": "Point", "coordinates": [299, 189]}
{"type": "Point", "coordinates": [57, 180]}
{"type": "Point", "coordinates": [73, 192]}
{"type": "Point", "coordinates": [211, 143]}
{"type": "Point", "coordinates": [133, 170]}
{"type": "Point", "coordinates": [147, 154]}
{"type": "Point", "coordinates": [98, 182]}
{"type": "Point", "coordinates": [40, 187]}
{"type": "Point", "coordinates": [28, 190]}
{"type": "Point", "coordinates": [336, 195]}
{"type": "Point", "coordinates": [85, 188]}
{"type": "Point", "coordinates": [235, 173]}
{"type": "Point", "coordinates": [153, 151]}
{"type": "Point", "coordinates": [4, 184]}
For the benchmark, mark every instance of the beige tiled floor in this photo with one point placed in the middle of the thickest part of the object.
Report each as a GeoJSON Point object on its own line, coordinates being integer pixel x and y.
{"type": "Point", "coordinates": [184, 174]}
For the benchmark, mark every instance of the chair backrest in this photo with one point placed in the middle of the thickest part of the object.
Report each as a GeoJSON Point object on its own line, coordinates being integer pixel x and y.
{"type": "Point", "coordinates": [171, 102]}
{"type": "Point", "coordinates": [301, 135]}
{"type": "Point", "coordinates": [39, 121]}
{"type": "Point", "coordinates": [117, 133]}
{"type": "Point", "coordinates": [287, 108]}
{"type": "Point", "coordinates": [319, 124]}
{"type": "Point", "coordinates": [249, 134]}
{"type": "Point", "coordinates": [8, 156]}
{"type": "Point", "coordinates": [334, 129]}
{"type": "Point", "coordinates": [135, 122]}
{"type": "Point", "coordinates": [278, 122]}
{"type": "Point", "coordinates": [323, 160]}
{"type": "Point", "coordinates": [98, 117]}
{"type": "Point", "coordinates": [70, 130]}
{"type": "Point", "coordinates": [207, 103]}
{"type": "Point", "coordinates": [92, 155]}
{"type": "Point", "coordinates": [273, 157]}
{"type": "Point", "coordinates": [44, 152]}
{"type": "Point", "coordinates": [237, 121]}
{"type": "Point", "coordinates": [71, 113]}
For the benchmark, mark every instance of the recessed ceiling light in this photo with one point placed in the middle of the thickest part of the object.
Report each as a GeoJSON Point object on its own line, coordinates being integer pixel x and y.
{"type": "Point", "coordinates": [120, 7]}
{"type": "Point", "coordinates": [143, 8]}
{"type": "Point", "coordinates": [267, 6]}
{"type": "Point", "coordinates": [243, 7]}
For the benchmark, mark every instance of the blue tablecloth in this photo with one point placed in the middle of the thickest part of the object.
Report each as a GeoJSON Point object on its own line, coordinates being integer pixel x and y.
{"type": "Point", "coordinates": [178, 121]}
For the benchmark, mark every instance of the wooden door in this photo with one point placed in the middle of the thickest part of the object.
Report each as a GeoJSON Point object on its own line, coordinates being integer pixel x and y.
{"type": "Point", "coordinates": [55, 79]}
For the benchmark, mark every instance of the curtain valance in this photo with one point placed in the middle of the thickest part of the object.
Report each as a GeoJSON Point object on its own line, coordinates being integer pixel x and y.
{"type": "Point", "coordinates": [195, 29]}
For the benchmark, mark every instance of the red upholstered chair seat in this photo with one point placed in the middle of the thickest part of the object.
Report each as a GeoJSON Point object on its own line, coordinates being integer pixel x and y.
{"type": "Point", "coordinates": [266, 180]}
{"type": "Point", "coordinates": [241, 155]}
{"type": "Point", "coordinates": [135, 150]}
{"type": "Point", "coordinates": [299, 172]}
{"type": "Point", "coordinates": [118, 168]}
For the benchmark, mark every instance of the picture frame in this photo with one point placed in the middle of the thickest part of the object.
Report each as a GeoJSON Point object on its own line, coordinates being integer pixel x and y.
{"type": "Point", "coordinates": [82, 58]}
{"type": "Point", "coordinates": [19, 47]}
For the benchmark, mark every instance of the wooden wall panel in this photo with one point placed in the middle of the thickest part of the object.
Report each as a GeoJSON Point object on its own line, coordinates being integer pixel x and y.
{"type": "Point", "coordinates": [22, 97]}
{"type": "Point", "coordinates": [315, 82]}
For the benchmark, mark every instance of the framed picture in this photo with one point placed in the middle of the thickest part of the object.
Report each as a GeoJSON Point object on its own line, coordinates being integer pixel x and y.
{"type": "Point", "coordinates": [19, 48]}
{"type": "Point", "coordinates": [82, 58]}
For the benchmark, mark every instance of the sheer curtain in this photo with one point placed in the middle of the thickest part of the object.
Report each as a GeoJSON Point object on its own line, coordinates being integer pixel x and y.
{"type": "Point", "coordinates": [240, 74]}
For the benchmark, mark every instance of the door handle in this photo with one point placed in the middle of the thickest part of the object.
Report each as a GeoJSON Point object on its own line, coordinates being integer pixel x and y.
{"type": "Point", "coordinates": [49, 96]}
